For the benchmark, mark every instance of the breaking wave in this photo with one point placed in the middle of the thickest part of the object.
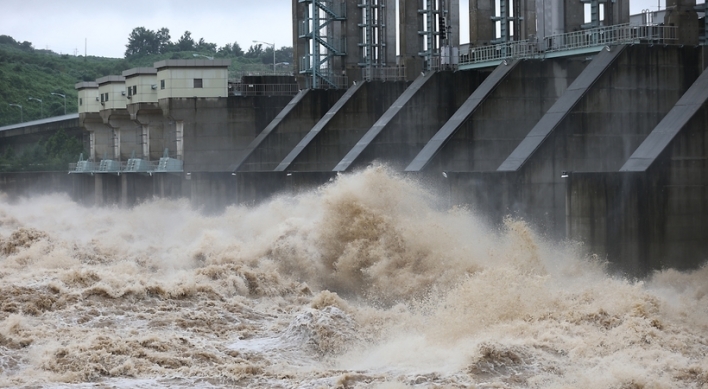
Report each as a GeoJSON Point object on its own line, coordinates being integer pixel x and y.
{"type": "Point", "coordinates": [364, 282]}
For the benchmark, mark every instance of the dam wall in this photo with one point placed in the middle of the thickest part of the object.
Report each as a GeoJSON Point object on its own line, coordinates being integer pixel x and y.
{"type": "Point", "coordinates": [607, 148]}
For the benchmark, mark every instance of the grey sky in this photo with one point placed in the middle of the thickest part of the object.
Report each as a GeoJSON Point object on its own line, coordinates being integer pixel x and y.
{"type": "Point", "coordinates": [63, 25]}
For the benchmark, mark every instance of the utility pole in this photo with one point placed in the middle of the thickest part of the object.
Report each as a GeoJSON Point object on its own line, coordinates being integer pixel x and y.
{"type": "Point", "coordinates": [64, 96]}
{"type": "Point", "coordinates": [41, 105]}
{"type": "Point", "coordinates": [19, 106]}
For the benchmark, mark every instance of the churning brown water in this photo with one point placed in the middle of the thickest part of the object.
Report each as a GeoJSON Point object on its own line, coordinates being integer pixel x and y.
{"type": "Point", "coordinates": [362, 283]}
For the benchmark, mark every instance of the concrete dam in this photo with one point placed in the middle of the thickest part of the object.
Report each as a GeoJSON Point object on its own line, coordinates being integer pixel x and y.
{"type": "Point", "coordinates": [590, 131]}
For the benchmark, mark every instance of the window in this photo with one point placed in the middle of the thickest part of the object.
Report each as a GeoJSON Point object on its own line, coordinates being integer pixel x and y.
{"type": "Point", "coordinates": [135, 90]}
{"type": "Point", "coordinates": [130, 91]}
{"type": "Point", "coordinates": [102, 97]}
{"type": "Point", "coordinates": [197, 82]}
{"type": "Point", "coordinates": [81, 101]}
{"type": "Point", "coordinates": [162, 84]}
{"type": "Point", "coordinates": [106, 96]}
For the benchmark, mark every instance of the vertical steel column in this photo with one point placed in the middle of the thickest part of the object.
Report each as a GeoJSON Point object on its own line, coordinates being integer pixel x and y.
{"type": "Point", "coordinates": [320, 32]}
{"type": "Point", "coordinates": [429, 13]}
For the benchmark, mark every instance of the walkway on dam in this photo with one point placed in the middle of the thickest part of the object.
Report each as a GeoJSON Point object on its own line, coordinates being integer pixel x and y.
{"type": "Point", "coordinates": [568, 44]}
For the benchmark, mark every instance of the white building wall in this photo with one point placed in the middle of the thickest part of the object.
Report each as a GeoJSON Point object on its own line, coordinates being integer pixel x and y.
{"type": "Point", "coordinates": [116, 92]}
{"type": "Point", "coordinates": [176, 79]}
{"type": "Point", "coordinates": [88, 100]}
{"type": "Point", "coordinates": [143, 87]}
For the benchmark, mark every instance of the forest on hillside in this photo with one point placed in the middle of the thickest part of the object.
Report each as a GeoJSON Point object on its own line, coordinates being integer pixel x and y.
{"type": "Point", "coordinates": [37, 84]}
{"type": "Point", "coordinates": [37, 79]}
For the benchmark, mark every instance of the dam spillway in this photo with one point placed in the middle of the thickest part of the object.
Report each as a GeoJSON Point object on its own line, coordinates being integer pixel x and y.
{"type": "Point", "coordinates": [602, 143]}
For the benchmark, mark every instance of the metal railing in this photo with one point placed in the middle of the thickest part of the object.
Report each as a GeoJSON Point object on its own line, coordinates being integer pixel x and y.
{"type": "Point", "coordinates": [265, 89]}
{"type": "Point", "coordinates": [327, 81]}
{"type": "Point", "coordinates": [502, 51]}
{"type": "Point", "coordinates": [133, 165]}
{"type": "Point", "coordinates": [137, 165]}
{"type": "Point", "coordinates": [110, 166]}
{"type": "Point", "coordinates": [168, 165]}
{"type": "Point", "coordinates": [590, 38]}
{"type": "Point", "coordinates": [611, 35]}
{"type": "Point", "coordinates": [391, 73]}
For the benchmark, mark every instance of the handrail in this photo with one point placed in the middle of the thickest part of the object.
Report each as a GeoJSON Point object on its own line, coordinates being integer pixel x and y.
{"type": "Point", "coordinates": [133, 165]}
{"type": "Point", "coordinates": [592, 37]}
{"type": "Point", "coordinates": [387, 73]}
{"type": "Point", "coordinates": [249, 89]}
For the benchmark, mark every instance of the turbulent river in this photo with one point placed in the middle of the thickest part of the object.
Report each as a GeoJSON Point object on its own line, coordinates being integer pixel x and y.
{"type": "Point", "coordinates": [363, 283]}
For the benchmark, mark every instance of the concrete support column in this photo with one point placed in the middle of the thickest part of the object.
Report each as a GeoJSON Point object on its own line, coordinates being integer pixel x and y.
{"type": "Point", "coordinates": [573, 15]}
{"type": "Point", "coordinates": [179, 139]}
{"type": "Point", "coordinates": [527, 26]}
{"type": "Point", "coordinates": [150, 124]}
{"type": "Point", "coordinates": [116, 143]}
{"type": "Point", "coordinates": [98, 190]}
{"type": "Point", "coordinates": [482, 29]}
{"type": "Point", "coordinates": [92, 146]}
{"type": "Point", "coordinates": [390, 19]}
{"type": "Point", "coordinates": [453, 20]}
{"type": "Point", "coordinates": [410, 40]}
{"type": "Point", "coordinates": [124, 190]}
{"type": "Point", "coordinates": [682, 14]}
{"type": "Point", "coordinates": [352, 32]}
{"type": "Point", "coordinates": [300, 14]}
{"type": "Point", "coordinates": [145, 141]}
{"type": "Point", "coordinates": [100, 136]}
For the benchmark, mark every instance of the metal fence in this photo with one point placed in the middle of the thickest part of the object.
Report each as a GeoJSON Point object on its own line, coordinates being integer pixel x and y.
{"type": "Point", "coordinates": [594, 37]}
{"type": "Point", "coordinates": [390, 73]}
{"type": "Point", "coordinates": [327, 81]}
{"type": "Point", "coordinates": [611, 35]}
{"type": "Point", "coordinates": [520, 49]}
{"type": "Point", "coordinates": [133, 165]}
{"type": "Point", "coordinates": [245, 89]}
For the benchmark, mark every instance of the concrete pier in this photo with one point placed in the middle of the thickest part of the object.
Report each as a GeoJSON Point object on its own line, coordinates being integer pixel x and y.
{"type": "Point", "coordinates": [343, 126]}
{"type": "Point", "coordinates": [293, 123]}
{"type": "Point", "coordinates": [412, 120]}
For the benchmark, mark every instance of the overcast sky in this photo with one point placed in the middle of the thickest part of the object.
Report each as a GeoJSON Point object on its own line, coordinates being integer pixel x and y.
{"type": "Point", "coordinates": [65, 25]}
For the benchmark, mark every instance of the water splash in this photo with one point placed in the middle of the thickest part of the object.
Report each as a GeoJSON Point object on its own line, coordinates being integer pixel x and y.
{"type": "Point", "coordinates": [364, 282]}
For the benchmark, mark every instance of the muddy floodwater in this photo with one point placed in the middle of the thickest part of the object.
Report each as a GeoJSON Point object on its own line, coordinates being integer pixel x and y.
{"type": "Point", "coordinates": [367, 282]}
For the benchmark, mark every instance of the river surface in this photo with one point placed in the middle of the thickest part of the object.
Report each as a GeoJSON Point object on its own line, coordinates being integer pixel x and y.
{"type": "Point", "coordinates": [367, 282]}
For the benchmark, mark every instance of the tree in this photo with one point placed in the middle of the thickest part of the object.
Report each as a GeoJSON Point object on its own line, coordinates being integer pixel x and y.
{"type": "Point", "coordinates": [237, 50]}
{"type": "Point", "coordinates": [142, 41]}
{"type": "Point", "coordinates": [26, 45]}
{"type": "Point", "coordinates": [204, 46]}
{"type": "Point", "coordinates": [185, 42]}
{"type": "Point", "coordinates": [284, 54]}
{"type": "Point", "coordinates": [163, 40]}
{"type": "Point", "coordinates": [254, 51]}
{"type": "Point", "coordinates": [267, 55]}
{"type": "Point", "coordinates": [60, 149]}
{"type": "Point", "coordinates": [231, 50]}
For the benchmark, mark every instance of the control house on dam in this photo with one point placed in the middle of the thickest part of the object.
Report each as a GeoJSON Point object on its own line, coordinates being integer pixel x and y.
{"type": "Point", "coordinates": [588, 123]}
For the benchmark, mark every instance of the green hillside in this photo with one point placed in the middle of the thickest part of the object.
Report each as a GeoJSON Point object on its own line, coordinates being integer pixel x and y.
{"type": "Point", "coordinates": [27, 72]}
{"type": "Point", "coordinates": [28, 75]}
